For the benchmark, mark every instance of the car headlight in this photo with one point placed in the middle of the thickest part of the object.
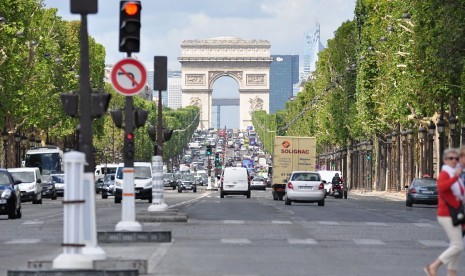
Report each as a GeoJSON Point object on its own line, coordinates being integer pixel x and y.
{"type": "Point", "coordinates": [148, 185]}
{"type": "Point", "coordinates": [50, 187]}
{"type": "Point", "coordinates": [6, 194]}
{"type": "Point", "coordinates": [31, 187]}
{"type": "Point", "coordinates": [118, 184]}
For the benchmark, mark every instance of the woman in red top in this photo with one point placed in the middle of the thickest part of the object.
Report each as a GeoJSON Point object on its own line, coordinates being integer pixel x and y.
{"type": "Point", "coordinates": [449, 191]}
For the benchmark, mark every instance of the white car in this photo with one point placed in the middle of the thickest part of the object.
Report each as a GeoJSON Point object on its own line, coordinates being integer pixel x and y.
{"type": "Point", "coordinates": [142, 181]}
{"type": "Point", "coordinates": [305, 186]}
{"type": "Point", "coordinates": [235, 181]}
{"type": "Point", "coordinates": [30, 187]}
{"type": "Point", "coordinates": [328, 177]}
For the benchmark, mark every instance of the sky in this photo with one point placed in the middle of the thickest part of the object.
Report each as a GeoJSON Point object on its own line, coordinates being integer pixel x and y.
{"type": "Point", "coordinates": [165, 24]}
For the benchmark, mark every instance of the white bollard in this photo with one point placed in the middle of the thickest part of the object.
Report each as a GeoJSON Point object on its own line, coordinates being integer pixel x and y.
{"type": "Point", "coordinates": [209, 187]}
{"type": "Point", "coordinates": [73, 203]}
{"type": "Point", "coordinates": [158, 190]}
{"type": "Point", "coordinates": [128, 214]}
{"type": "Point", "coordinates": [91, 250]}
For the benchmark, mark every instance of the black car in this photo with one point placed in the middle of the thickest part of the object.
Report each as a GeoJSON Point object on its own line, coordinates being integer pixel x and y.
{"type": "Point", "coordinates": [10, 202]}
{"type": "Point", "coordinates": [422, 191]}
{"type": "Point", "coordinates": [169, 180]}
{"type": "Point", "coordinates": [108, 185]}
{"type": "Point", "coordinates": [187, 182]}
{"type": "Point", "coordinates": [48, 187]}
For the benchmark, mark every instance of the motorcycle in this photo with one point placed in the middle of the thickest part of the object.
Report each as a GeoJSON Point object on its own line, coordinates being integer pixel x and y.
{"type": "Point", "coordinates": [338, 190]}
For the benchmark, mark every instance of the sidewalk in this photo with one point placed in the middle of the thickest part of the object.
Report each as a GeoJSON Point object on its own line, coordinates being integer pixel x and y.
{"type": "Point", "coordinates": [394, 196]}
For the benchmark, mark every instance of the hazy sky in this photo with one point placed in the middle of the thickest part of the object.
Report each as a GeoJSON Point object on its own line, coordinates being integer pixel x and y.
{"type": "Point", "coordinates": [165, 24]}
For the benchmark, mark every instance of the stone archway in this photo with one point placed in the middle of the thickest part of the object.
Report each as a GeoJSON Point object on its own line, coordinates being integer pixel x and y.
{"type": "Point", "coordinates": [246, 61]}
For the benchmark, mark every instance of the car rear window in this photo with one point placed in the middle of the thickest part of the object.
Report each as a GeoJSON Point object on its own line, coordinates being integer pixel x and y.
{"type": "Point", "coordinates": [305, 177]}
{"type": "Point", "coordinates": [425, 183]}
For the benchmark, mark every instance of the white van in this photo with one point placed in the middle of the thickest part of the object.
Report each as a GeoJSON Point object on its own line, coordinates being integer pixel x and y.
{"type": "Point", "coordinates": [30, 187]}
{"type": "Point", "coordinates": [142, 181]}
{"type": "Point", "coordinates": [103, 169]}
{"type": "Point", "coordinates": [235, 181]}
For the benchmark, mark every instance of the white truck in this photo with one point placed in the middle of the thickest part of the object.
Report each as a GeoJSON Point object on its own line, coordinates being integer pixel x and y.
{"type": "Point", "coordinates": [291, 153]}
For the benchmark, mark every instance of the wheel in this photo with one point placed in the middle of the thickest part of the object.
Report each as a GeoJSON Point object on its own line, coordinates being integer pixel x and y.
{"type": "Point", "coordinates": [195, 190]}
{"type": "Point", "coordinates": [104, 195]}
{"type": "Point", "coordinates": [174, 187]}
{"type": "Point", "coordinates": [221, 195]}
{"type": "Point", "coordinates": [275, 197]}
{"type": "Point", "coordinates": [117, 199]}
{"type": "Point", "coordinates": [345, 194]}
{"type": "Point", "coordinates": [18, 213]}
{"type": "Point", "coordinates": [54, 197]}
{"type": "Point", "coordinates": [35, 200]}
{"type": "Point", "coordinates": [321, 202]}
{"type": "Point", "coordinates": [248, 194]}
{"type": "Point", "coordinates": [179, 191]}
{"type": "Point", "coordinates": [150, 200]}
{"type": "Point", "coordinates": [408, 202]}
{"type": "Point", "coordinates": [280, 197]}
{"type": "Point", "coordinates": [40, 200]}
{"type": "Point", "coordinates": [287, 201]}
{"type": "Point", "coordinates": [13, 214]}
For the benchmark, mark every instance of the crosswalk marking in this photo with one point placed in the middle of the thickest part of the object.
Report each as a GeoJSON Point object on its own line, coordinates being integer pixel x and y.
{"type": "Point", "coordinates": [328, 223]}
{"type": "Point", "coordinates": [32, 222]}
{"type": "Point", "coordinates": [23, 241]}
{"type": "Point", "coordinates": [281, 222]}
{"type": "Point", "coordinates": [302, 241]}
{"type": "Point", "coordinates": [233, 222]}
{"type": "Point", "coordinates": [368, 242]}
{"type": "Point", "coordinates": [434, 243]}
{"type": "Point", "coordinates": [235, 241]}
{"type": "Point", "coordinates": [376, 223]}
{"type": "Point", "coordinates": [423, 224]}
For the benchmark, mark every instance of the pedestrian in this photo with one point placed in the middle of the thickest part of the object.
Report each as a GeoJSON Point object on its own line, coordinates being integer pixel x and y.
{"type": "Point", "coordinates": [450, 190]}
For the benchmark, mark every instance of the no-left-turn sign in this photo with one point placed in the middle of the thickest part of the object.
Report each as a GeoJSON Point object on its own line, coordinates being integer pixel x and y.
{"type": "Point", "coordinates": [128, 76]}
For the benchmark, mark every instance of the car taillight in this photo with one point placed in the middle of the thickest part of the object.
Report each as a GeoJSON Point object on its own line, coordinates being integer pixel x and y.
{"type": "Point", "coordinates": [322, 186]}
{"type": "Point", "coordinates": [290, 186]}
{"type": "Point", "coordinates": [413, 191]}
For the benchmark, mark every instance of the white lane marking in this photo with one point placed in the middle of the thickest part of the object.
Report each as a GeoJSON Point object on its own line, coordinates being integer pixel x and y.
{"type": "Point", "coordinates": [376, 223]}
{"type": "Point", "coordinates": [233, 221]}
{"type": "Point", "coordinates": [235, 241]}
{"type": "Point", "coordinates": [302, 241]}
{"type": "Point", "coordinates": [328, 223]}
{"type": "Point", "coordinates": [434, 243]}
{"type": "Point", "coordinates": [419, 224]}
{"type": "Point", "coordinates": [157, 256]}
{"type": "Point", "coordinates": [368, 242]}
{"type": "Point", "coordinates": [23, 241]}
{"type": "Point", "coordinates": [281, 222]}
{"type": "Point", "coordinates": [32, 222]}
{"type": "Point", "coordinates": [189, 201]}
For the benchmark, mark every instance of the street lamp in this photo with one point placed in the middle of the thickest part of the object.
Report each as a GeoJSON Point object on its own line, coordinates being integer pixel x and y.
{"type": "Point", "coordinates": [452, 126]}
{"type": "Point", "coordinates": [389, 162]}
{"type": "Point", "coordinates": [32, 141]}
{"type": "Point", "coordinates": [431, 133]}
{"type": "Point", "coordinates": [23, 143]}
{"type": "Point", "coordinates": [463, 133]}
{"type": "Point", "coordinates": [422, 140]}
{"type": "Point", "coordinates": [396, 160]}
{"type": "Point", "coordinates": [17, 138]}
{"type": "Point", "coordinates": [369, 146]}
{"type": "Point", "coordinates": [403, 137]}
{"type": "Point", "coordinates": [441, 125]}
{"type": "Point", "coordinates": [410, 154]}
{"type": "Point", "coordinates": [5, 143]}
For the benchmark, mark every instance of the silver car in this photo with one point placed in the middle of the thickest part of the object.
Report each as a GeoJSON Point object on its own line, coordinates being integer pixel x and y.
{"type": "Point", "coordinates": [305, 186]}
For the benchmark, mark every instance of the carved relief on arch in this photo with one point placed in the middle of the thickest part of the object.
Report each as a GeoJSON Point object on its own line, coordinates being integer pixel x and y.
{"type": "Point", "coordinates": [256, 104]}
{"type": "Point", "coordinates": [214, 75]}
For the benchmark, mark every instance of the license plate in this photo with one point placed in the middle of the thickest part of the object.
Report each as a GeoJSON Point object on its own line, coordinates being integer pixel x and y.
{"type": "Point", "coordinates": [2, 201]}
{"type": "Point", "coordinates": [230, 186]}
{"type": "Point", "coordinates": [137, 191]}
{"type": "Point", "coordinates": [427, 192]}
{"type": "Point", "coordinates": [305, 187]}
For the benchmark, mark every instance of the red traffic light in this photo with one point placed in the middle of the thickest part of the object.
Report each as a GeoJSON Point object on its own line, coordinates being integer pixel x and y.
{"type": "Point", "coordinates": [129, 136]}
{"type": "Point", "coordinates": [131, 8]}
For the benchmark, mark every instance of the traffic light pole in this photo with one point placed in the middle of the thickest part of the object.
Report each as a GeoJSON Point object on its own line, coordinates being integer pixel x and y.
{"type": "Point", "coordinates": [128, 213]}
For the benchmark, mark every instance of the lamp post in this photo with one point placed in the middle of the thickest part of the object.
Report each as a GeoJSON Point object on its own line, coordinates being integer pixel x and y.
{"type": "Point", "coordinates": [403, 138]}
{"type": "Point", "coordinates": [396, 161]}
{"type": "Point", "coordinates": [389, 163]}
{"type": "Point", "coordinates": [463, 133]}
{"type": "Point", "coordinates": [5, 145]}
{"type": "Point", "coordinates": [441, 126]}
{"type": "Point", "coordinates": [410, 154]}
{"type": "Point", "coordinates": [431, 132]}
{"type": "Point", "coordinates": [354, 166]}
{"type": "Point", "coordinates": [32, 141]}
{"type": "Point", "coordinates": [422, 139]}
{"type": "Point", "coordinates": [370, 164]}
{"type": "Point", "coordinates": [363, 159]}
{"type": "Point", "coordinates": [351, 158]}
{"type": "Point", "coordinates": [23, 145]}
{"type": "Point", "coordinates": [452, 128]}
{"type": "Point", "coordinates": [17, 138]}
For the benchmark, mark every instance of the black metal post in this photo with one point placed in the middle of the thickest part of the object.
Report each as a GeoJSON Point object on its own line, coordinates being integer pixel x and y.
{"type": "Point", "coordinates": [85, 120]}
{"type": "Point", "coordinates": [411, 157]}
{"type": "Point", "coordinates": [463, 134]}
{"type": "Point", "coordinates": [160, 126]}
{"type": "Point", "coordinates": [128, 128]}
{"type": "Point", "coordinates": [389, 163]}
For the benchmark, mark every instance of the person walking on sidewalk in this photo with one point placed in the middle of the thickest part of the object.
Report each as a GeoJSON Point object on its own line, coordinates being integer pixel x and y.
{"type": "Point", "coordinates": [452, 191]}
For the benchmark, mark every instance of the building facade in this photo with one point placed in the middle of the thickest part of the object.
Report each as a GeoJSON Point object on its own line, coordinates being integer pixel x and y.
{"type": "Point", "coordinates": [284, 75]}
{"type": "Point", "coordinates": [312, 46]}
{"type": "Point", "coordinates": [174, 89]}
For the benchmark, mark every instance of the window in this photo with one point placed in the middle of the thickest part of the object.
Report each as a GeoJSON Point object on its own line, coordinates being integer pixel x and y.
{"type": "Point", "coordinates": [305, 177]}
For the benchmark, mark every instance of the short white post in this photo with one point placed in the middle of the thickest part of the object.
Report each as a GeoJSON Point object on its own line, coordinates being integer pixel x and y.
{"type": "Point", "coordinates": [209, 187]}
{"type": "Point", "coordinates": [73, 203]}
{"type": "Point", "coordinates": [158, 189]}
{"type": "Point", "coordinates": [91, 250]}
{"type": "Point", "coordinates": [128, 214]}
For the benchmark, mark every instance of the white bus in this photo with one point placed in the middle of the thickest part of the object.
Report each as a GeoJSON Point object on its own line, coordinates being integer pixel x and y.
{"type": "Point", "coordinates": [48, 159]}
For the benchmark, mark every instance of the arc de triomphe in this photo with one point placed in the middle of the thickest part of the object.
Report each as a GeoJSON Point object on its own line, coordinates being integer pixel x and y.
{"type": "Point", "coordinates": [246, 61]}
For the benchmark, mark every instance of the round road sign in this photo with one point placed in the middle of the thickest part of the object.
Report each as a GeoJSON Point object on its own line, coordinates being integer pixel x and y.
{"type": "Point", "coordinates": [128, 76]}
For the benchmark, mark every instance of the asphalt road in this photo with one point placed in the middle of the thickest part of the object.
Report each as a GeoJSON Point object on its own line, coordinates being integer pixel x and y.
{"type": "Point", "coordinates": [362, 235]}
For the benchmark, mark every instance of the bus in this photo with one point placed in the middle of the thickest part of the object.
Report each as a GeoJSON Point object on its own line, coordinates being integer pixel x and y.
{"type": "Point", "coordinates": [48, 159]}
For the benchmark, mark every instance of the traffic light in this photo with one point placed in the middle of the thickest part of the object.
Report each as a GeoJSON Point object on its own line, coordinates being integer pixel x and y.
{"type": "Point", "coordinates": [217, 157]}
{"type": "Point", "coordinates": [129, 24]}
{"type": "Point", "coordinates": [99, 104]}
{"type": "Point", "coordinates": [140, 116]}
{"type": "Point", "coordinates": [129, 151]}
{"type": "Point", "coordinates": [117, 117]}
{"type": "Point", "coordinates": [209, 150]}
{"type": "Point", "coordinates": [70, 104]}
{"type": "Point", "coordinates": [167, 134]}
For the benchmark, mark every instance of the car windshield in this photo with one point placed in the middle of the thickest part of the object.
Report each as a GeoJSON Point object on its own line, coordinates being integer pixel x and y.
{"type": "Point", "coordinates": [167, 176]}
{"type": "Point", "coordinates": [425, 183]}
{"type": "Point", "coordinates": [188, 177]}
{"type": "Point", "coordinates": [47, 179]}
{"type": "Point", "coordinates": [258, 179]}
{"type": "Point", "coordinates": [4, 179]}
{"type": "Point", "coordinates": [142, 172]}
{"type": "Point", "coordinates": [25, 177]}
{"type": "Point", "coordinates": [305, 177]}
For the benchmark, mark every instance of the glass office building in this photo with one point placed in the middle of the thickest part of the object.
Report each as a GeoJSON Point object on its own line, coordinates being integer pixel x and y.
{"type": "Point", "coordinates": [284, 73]}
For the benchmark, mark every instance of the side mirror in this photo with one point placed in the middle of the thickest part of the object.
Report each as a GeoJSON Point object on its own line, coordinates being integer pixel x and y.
{"type": "Point", "coordinates": [39, 180]}
{"type": "Point", "coordinates": [324, 181]}
{"type": "Point", "coordinates": [16, 182]}
{"type": "Point", "coordinates": [285, 180]}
